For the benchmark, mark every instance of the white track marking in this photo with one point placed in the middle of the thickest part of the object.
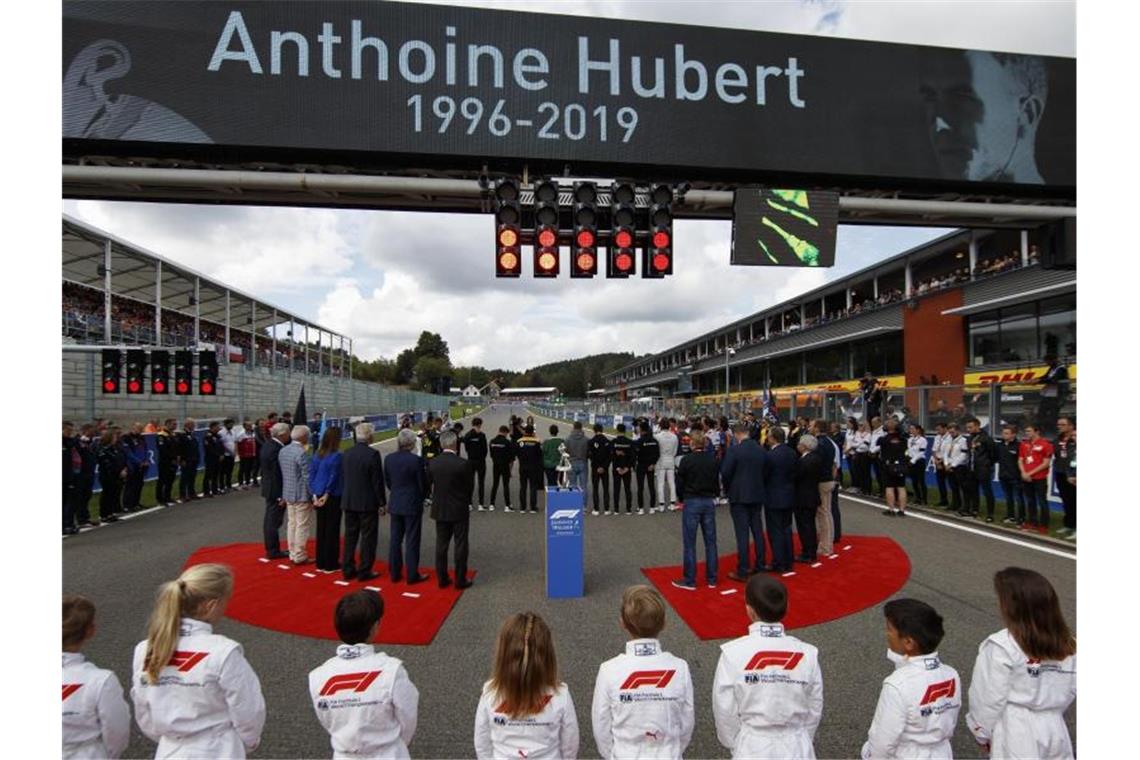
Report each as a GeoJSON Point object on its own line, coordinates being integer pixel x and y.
{"type": "Point", "coordinates": [309, 575]}
{"type": "Point", "coordinates": [373, 588]}
{"type": "Point", "coordinates": [729, 591]}
{"type": "Point", "coordinates": [341, 583]}
{"type": "Point", "coordinates": [283, 567]}
{"type": "Point", "coordinates": [968, 529]}
{"type": "Point", "coordinates": [410, 595]}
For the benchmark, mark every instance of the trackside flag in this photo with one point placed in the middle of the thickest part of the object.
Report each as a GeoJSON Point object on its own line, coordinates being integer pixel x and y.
{"type": "Point", "coordinates": [301, 416]}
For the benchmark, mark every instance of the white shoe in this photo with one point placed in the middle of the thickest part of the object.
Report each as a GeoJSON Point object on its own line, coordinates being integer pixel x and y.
{"type": "Point", "coordinates": [640, 511]}
{"type": "Point", "coordinates": [595, 513]}
{"type": "Point", "coordinates": [491, 508]}
{"type": "Point", "coordinates": [1072, 536]}
{"type": "Point", "coordinates": [481, 508]}
{"type": "Point", "coordinates": [508, 508]}
{"type": "Point", "coordinates": [1061, 532]}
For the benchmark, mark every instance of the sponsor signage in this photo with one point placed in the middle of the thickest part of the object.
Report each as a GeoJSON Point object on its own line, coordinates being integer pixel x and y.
{"type": "Point", "coordinates": [459, 86]}
{"type": "Point", "coordinates": [564, 545]}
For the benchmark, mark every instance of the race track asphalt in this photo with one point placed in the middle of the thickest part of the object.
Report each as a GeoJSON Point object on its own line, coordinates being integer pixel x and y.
{"type": "Point", "coordinates": [119, 567]}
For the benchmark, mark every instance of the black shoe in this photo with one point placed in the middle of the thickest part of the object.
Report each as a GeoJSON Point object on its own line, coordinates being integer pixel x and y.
{"type": "Point", "coordinates": [70, 531]}
{"type": "Point", "coordinates": [943, 504]}
{"type": "Point", "coordinates": [804, 559]}
{"type": "Point", "coordinates": [363, 577]}
{"type": "Point", "coordinates": [888, 513]}
{"type": "Point", "coordinates": [444, 582]}
{"type": "Point", "coordinates": [277, 555]}
{"type": "Point", "coordinates": [397, 578]}
{"type": "Point", "coordinates": [414, 579]}
{"type": "Point", "coordinates": [464, 584]}
{"type": "Point", "coordinates": [762, 569]}
{"type": "Point", "coordinates": [349, 573]}
{"type": "Point", "coordinates": [110, 518]}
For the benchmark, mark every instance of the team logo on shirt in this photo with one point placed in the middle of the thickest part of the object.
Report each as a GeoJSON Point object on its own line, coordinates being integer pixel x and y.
{"type": "Point", "coordinates": [658, 679]}
{"type": "Point", "coordinates": [356, 682]}
{"type": "Point", "coordinates": [186, 661]}
{"type": "Point", "coordinates": [69, 689]}
{"type": "Point", "coordinates": [785, 660]}
{"type": "Point", "coordinates": [936, 691]}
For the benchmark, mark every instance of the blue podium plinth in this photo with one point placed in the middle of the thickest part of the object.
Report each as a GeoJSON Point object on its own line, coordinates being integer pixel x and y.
{"type": "Point", "coordinates": [564, 512]}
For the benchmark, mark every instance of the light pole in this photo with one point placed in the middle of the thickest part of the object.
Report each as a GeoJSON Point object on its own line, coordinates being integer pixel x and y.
{"type": "Point", "coordinates": [729, 352]}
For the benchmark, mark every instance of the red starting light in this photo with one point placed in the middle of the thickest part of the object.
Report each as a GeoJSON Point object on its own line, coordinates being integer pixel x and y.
{"type": "Point", "coordinates": [660, 262]}
{"type": "Point", "coordinates": [508, 260]}
{"type": "Point", "coordinates": [134, 386]}
{"type": "Point", "coordinates": [159, 386]}
{"type": "Point", "coordinates": [624, 262]}
{"type": "Point", "coordinates": [660, 239]}
{"type": "Point", "coordinates": [547, 261]}
{"type": "Point", "coordinates": [109, 386]}
{"type": "Point", "coordinates": [183, 387]}
{"type": "Point", "coordinates": [623, 239]}
{"type": "Point", "coordinates": [207, 388]}
{"type": "Point", "coordinates": [508, 237]}
{"type": "Point", "coordinates": [547, 238]}
{"type": "Point", "coordinates": [585, 260]}
{"type": "Point", "coordinates": [585, 239]}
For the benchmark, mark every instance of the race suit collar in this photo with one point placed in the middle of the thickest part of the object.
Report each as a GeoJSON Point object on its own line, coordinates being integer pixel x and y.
{"type": "Point", "coordinates": [643, 647]}
{"type": "Point", "coordinates": [354, 651]}
{"type": "Point", "coordinates": [768, 630]}
{"type": "Point", "coordinates": [192, 627]}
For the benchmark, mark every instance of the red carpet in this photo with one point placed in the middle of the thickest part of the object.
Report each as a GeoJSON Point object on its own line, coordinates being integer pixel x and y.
{"type": "Point", "coordinates": [867, 573]}
{"type": "Point", "coordinates": [283, 597]}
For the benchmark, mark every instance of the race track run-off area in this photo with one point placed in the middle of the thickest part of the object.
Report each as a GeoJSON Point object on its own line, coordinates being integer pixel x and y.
{"type": "Point", "coordinates": [283, 619]}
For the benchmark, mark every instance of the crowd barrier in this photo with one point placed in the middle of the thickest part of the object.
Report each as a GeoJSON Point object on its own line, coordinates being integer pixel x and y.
{"type": "Point", "coordinates": [381, 423]}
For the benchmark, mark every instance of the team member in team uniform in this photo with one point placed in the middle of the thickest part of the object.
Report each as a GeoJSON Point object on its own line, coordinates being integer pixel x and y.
{"type": "Point", "coordinates": [937, 447]}
{"type": "Point", "coordinates": [525, 710]}
{"type": "Point", "coordinates": [529, 453]}
{"type": "Point", "coordinates": [983, 452]}
{"type": "Point", "coordinates": [643, 698]}
{"type": "Point", "coordinates": [599, 452]}
{"type": "Point", "coordinates": [919, 703]}
{"type": "Point", "coordinates": [956, 455]}
{"type": "Point", "coordinates": [1025, 676]}
{"type": "Point", "coordinates": [96, 719]}
{"type": "Point", "coordinates": [1035, 458]}
{"type": "Point", "coordinates": [502, 450]}
{"type": "Point", "coordinates": [193, 690]}
{"type": "Point", "coordinates": [362, 697]}
{"type": "Point", "coordinates": [916, 462]}
{"type": "Point", "coordinates": [893, 464]}
{"type": "Point", "coordinates": [759, 715]}
{"type": "Point", "coordinates": [1009, 475]}
{"type": "Point", "coordinates": [475, 444]}
{"type": "Point", "coordinates": [647, 453]}
{"type": "Point", "coordinates": [624, 460]}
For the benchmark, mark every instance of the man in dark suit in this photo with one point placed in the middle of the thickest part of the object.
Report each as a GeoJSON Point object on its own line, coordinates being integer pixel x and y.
{"type": "Point", "coordinates": [362, 504]}
{"type": "Point", "coordinates": [780, 497]}
{"type": "Point", "coordinates": [809, 472]}
{"type": "Point", "coordinates": [451, 480]}
{"type": "Point", "coordinates": [742, 472]}
{"type": "Point", "coordinates": [271, 490]}
{"type": "Point", "coordinates": [406, 478]}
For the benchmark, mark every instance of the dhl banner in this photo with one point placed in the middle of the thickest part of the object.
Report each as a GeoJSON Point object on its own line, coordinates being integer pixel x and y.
{"type": "Point", "coordinates": [850, 386]}
{"type": "Point", "coordinates": [1014, 379]}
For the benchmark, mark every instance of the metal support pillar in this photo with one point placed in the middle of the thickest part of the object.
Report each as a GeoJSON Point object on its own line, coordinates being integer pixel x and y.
{"type": "Point", "coordinates": [273, 344]}
{"type": "Point", "coordinates": [107, 292]}
{"type": "Point", "coordinates": [197, 311]}
{"type": "Point", "coordinates": [907, 273]}
{"type": "Point", "coordinates": [158, 304]}
{"type": "Point", "coordinates": [253, 331]}
{"type": "Point", "coordinates": [973, 256]}
{"type": "Point", "coordinates": [226, 348]}
{"type": "Point", "coordinates": [1025, 248]}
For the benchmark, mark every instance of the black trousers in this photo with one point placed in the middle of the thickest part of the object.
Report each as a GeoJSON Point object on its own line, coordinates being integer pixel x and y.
{"type": "Point", "coordinates": [445, 532]}
{"type": "Point", "coordinates": [954, 481]}
{"type": "Point", "coordinates": [246, 469]}
{"type": "Point", "coordinates": [479, 466]}
{"type": "Point", "coordinates": [500, 472]}
{"type": "Point", "coordinates": [748, 522]}
{"type": "Point", "coordinates": [69, 507]}
{"type": "Point", "coordinates": [82, 499]}
{"type": "Point", "coordinates": [186, 488]}
{"type": "Point", "coordinates": [1068, 500]}
{"type": "Point", "coordinates": [643, 475]}
{"type": "Point", "coordinates": [985, 481]}
{"type": "Point", "coordinates": [328, 534]}
{"type": "Point", "coordinates": [1037, 501]}
{"type": "Point", "coordinates": [529, 484]}
{"type": "Point", "coordinates": [940, 475]}
{"type": "Point", "coordinates": [968, 483]}
{"type": "Point", "coordinates": [132, 490]}
{"type": "Point", "coordinates": [111, 500]}
{"type": "Point", "coordinates": [780, 534]}
{"type": "Point", "coordinates": [836, 524]}
{"type": "Point", "coordinates": [167, 471]}
{"type": "Point", "coordinates": [805, 527]}
{"type": "Point", "coordinates": [917, 472]}
{"type": "Point", "coordinates": [360, 528]}
{"type": "Point", "coordinates": [551, 476]}
{"type": "Point", "coordinates": [623, 481]}
{"type": "Point", "coordinates": [271, 526]}
{"type": "Point", "coordinates": [226, 476]}
{"type": "Point", "coordinates": [1014, 498]}
{"type": "Point", "coordinates": [861, 472]}
{"type": "Point", "coordinates": [875, 465]}
{"type": "Point", "coordinates": [404, 544]}
{"type": "Point", "coordinates": [210, 479]}
{"type": "Point", "coordinates": [599, 484]}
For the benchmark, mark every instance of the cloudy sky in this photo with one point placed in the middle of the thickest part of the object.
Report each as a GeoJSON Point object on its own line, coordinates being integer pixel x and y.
{"type": "Point", "coordinates": [382, 277]}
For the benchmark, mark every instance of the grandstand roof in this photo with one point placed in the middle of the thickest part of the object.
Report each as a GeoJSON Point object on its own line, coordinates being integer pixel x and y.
{"type": "Point", "coordinates": [133, 275]}
{"type": "Point", "coordinates": [506, 391]}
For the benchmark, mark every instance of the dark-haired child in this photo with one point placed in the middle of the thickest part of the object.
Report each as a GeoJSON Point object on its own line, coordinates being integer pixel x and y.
{"type": "Point", "coordinates": [919, 703]}
{"type": "Point", "coordinates": [768, 689]}
{"type": "Point", "coordinates": [362, 697]}
{"type": "Point", "coordinates": [96, 720]}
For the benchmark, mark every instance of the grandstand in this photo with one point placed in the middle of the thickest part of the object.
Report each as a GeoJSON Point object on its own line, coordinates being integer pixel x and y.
{"type": "Point", "coordinates": [118, 293]}
{"type": "Point", "coordinates": [968, 309]}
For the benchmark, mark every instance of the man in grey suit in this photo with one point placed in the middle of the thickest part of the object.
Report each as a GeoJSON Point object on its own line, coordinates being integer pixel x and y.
{"type": "Point", "coordinates": [742, 473]}
{"type": "Point", "coordinates": [271, 490]}
{"type": "Point", "coordinates": [451, 479]}
{"type": "Point", "coordinates": [294, 462]}
{"type": "Point", "coordinates": [362, 504]}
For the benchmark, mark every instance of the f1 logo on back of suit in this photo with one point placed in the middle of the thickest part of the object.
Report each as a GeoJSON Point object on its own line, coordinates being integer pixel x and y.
{"type": "Point", "coordinates": [69, 689]}
{"type": "Point", "coordinates": [936, 691]}
{"type": "Point", "coordinates": [186, 661]}
{"type": "Point", "coordinates": [785, 660]}
{"type": "Point", "coordinates": [357, 682]}
{"type": "Point", "coordinates": [656, 678]}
